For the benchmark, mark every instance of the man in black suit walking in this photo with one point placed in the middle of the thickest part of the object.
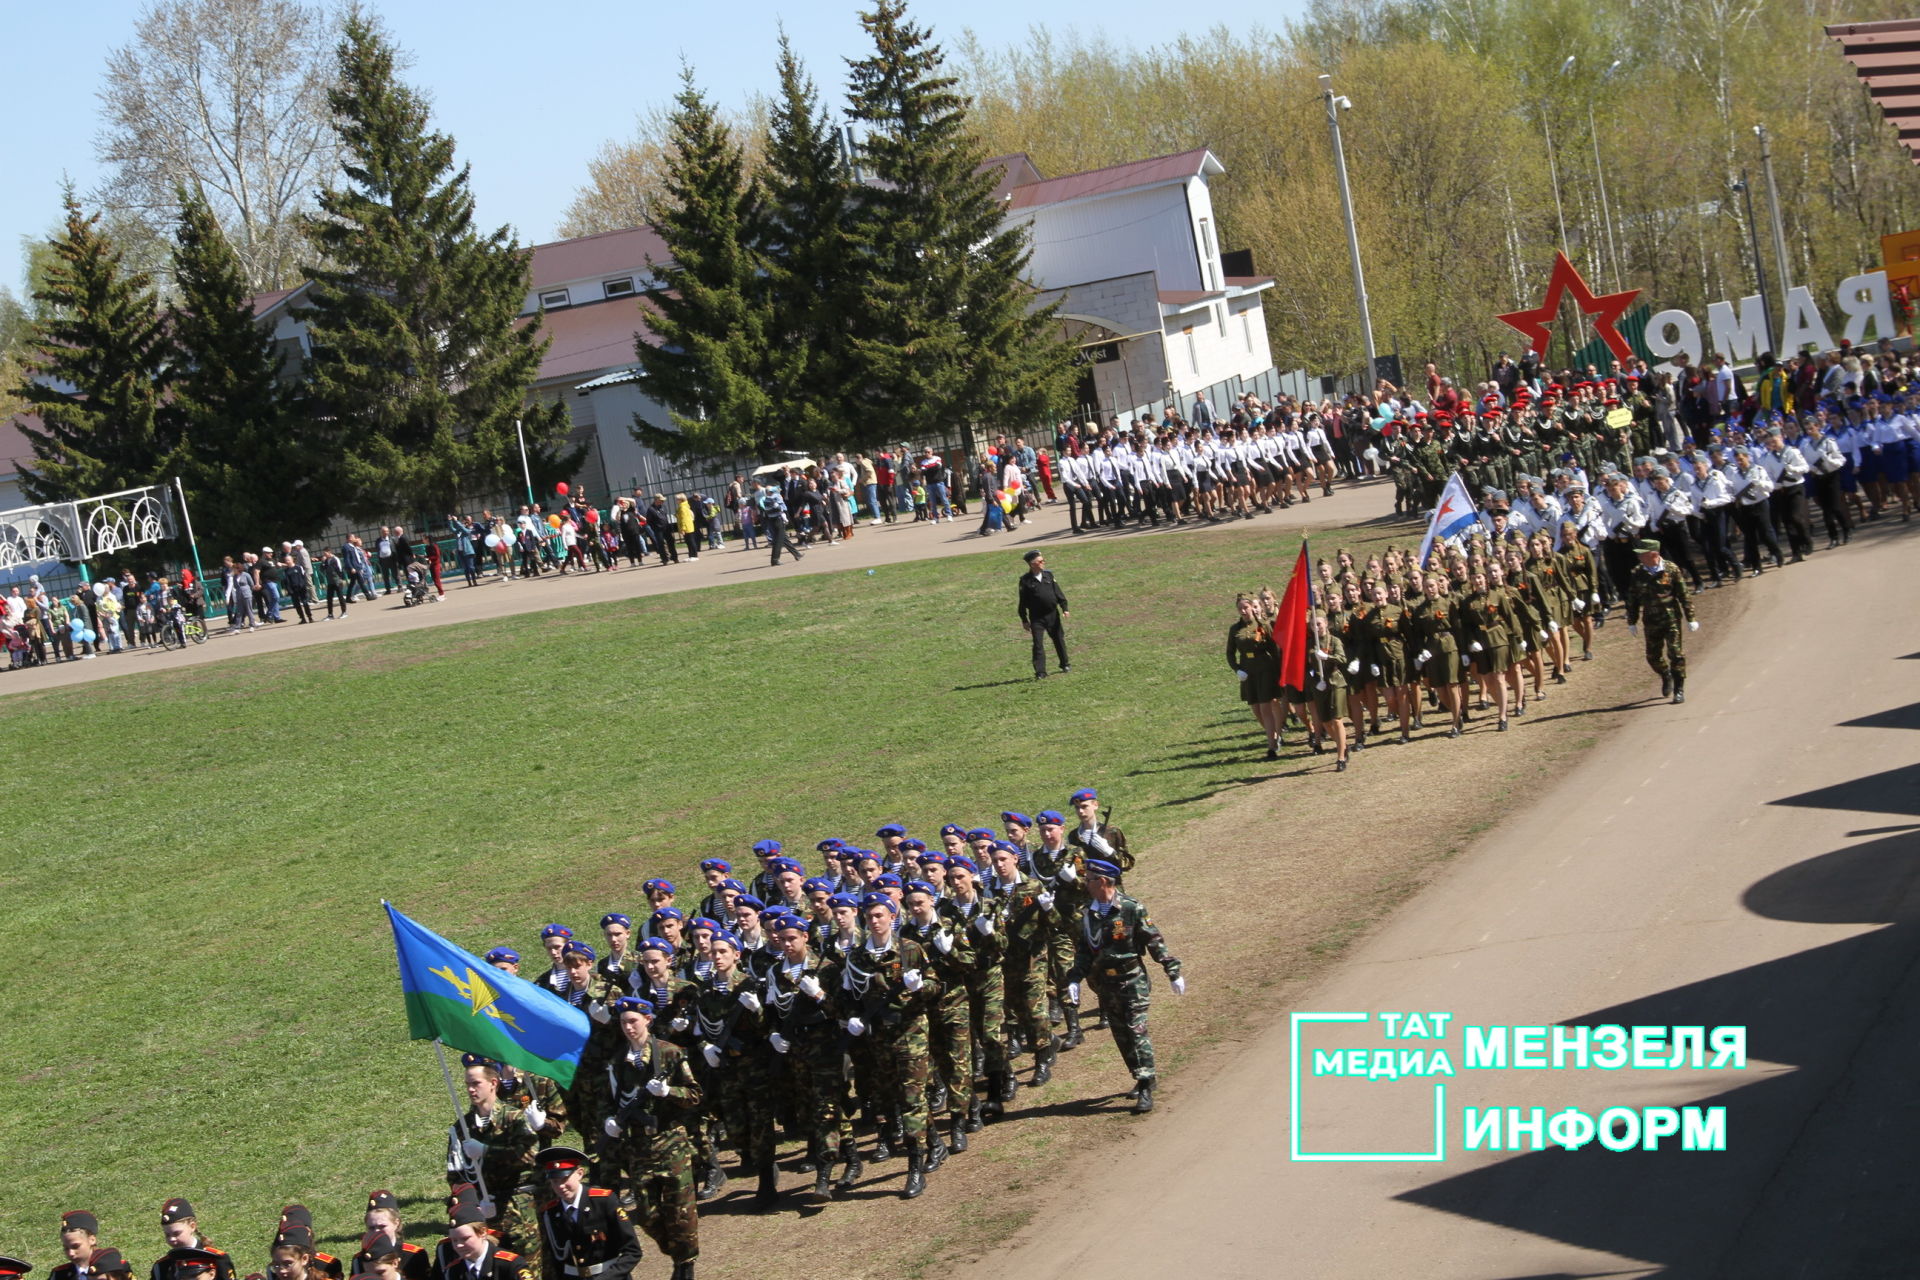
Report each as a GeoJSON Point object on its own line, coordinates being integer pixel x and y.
{"type": "Point", "coordinates": [1042, 606]}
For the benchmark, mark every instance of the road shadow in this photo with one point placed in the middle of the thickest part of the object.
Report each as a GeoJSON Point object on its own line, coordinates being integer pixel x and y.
{"type": "Point", "coordinates": [1907, 717]}
{"type": "Point", "coordinates": [1817, 1177]}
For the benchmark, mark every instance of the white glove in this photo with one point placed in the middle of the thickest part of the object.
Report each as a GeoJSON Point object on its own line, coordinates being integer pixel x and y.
{"type": "Point", "coordinates": [943, 943]}
{"type": "Point", "coordinates": [612, 1127]}
{"type": "Point", "coordinates": [1596, 599]}
{"type": "Point", "coordinates": [750, 1002]}
{"type": "Point", "coordinates": [1045, 900]}
{"type": "Point", "coordinates": [1543, 636]}
{"type": "Point", "coordinates": [779, 1042]}
{"type": "Point", "coordinates": [1425, 656]}
{"type": "Point", "coordinates": [1552, 625]}
{"type": "Point", "coordinates": [658, 1087]}
{"type": "Point", "coordinates": [711, 1053]}
{"type": "Point", "coordinates": [488, 1208]}
{"type": "Point", "coordinates": [1374, 668]}
{"type": "Point", "coordinates": [473, 1148]}
{"type": "Point", "coordinates": [1353, 668]}
{"type": "Point", "coordinates": [1067, 872]}
{"type": "Point", "coordinates": [1693, 626]}
{"type": "Point", "coordinates": [536, 1118]}
{"type": "Point", "coordinates": [678, 1024]}
{"type": "Point", "coordinates": [1474, 647]}
{"type": "Point", "coordinates": [1241, 674]}
{"type": "Point", "coordinates": [1098, 843]}
{"type": "Point", "coordinates": [983, 925]}
{"type": "Point", "coordinates": [1633, 628]}
{"type": "Point", "coordinates": [1179, 986]}
{"type": "Point", "coordinates": [1578, 604]}
{"type": "Point", "coordinates": [855, 1027]}
{"type": "Point", "coordinates": [1524, 648]}
{"type": "Point", "coordinates": [1073, 993]}
{"type": "Point", "coordinates": [811, 985]}
{"type": "Point", "coordinates": [598, 1012]}
{"type": "Point", "coordinates": [911, 980]}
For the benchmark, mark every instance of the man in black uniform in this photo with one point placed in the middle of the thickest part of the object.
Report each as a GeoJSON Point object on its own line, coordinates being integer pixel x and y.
{"type": "Point", "coordinates": [1042, 606]}
{"type": "Point", "coordinates": [584, 1233]}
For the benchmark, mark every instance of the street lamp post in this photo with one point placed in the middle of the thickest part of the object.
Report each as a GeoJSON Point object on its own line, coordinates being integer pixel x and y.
{"type": "Point", "coordinates": [1559, 213]}
{"type": "Point", "coordinates": [1334, 106]}
{"type": "Point", "coordinates": [1779, 235]}
{"type": "Point", "coordinates": [1745, 189]}
{"type": "Point", "coordinates": [1600, 177]}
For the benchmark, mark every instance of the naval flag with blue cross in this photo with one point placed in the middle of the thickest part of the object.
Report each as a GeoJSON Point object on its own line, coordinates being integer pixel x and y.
{"type": "Point", "coordinates": [461, 1000]}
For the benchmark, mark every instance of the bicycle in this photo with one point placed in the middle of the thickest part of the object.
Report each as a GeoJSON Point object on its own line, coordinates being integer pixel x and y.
{"type": "Point", "coordinates": [179, 629]}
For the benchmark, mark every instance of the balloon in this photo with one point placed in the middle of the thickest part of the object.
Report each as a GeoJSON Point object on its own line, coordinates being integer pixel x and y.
{"type": "Point", "coordinates": [554, 521]}
{"type": "Point", "coordinates": [493, 543]}
{"type": "Point", "coordinates": [88, 637]}
{"type": "Point", "coordinates": [593, 517]}
{"type": "Point", "coordinates": [76, 625]}
{"type": "Point", "coordinates": [561, 488]}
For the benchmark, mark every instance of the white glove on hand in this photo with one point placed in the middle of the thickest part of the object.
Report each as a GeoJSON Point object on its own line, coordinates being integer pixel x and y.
{"type": "Point", "coordinates": [1241, 674]}
{"type": "Point", "coordinates": [943, 943]}
{"type": "Point", "coordinates": [1098, 843]}
{"type": "Point", "coordinates": [612, 1127]}
{"type": "Point", "coordinates": [657, 1087]}
{"type": "Point", "coordinates": [1524, 647]}
{"type": "Point", "coordinates": [488, 1208]}
{"type": "Point", "coordinates": [1543, 637]}
{"type": "Point", "coordinates": [1693, 626]}
{"type": "Point", "coordinates": [678, 1024]}
{"type": "Point", "coordinates": [1596, 599]}
{"type": "Point", "coordinates": [1179, 986]}
{"type": "Point", "coordinates": [855, 1027]}
{"type": "Point", "coordinates": [1475, 647]}
{"type": "Point", "coordinates": [536, 1118]}
{"type": "Point", "coordinates": [983, 925]}
{"type": "Point", "coordinates": [1633, 628]}
{"type": "Point", "coordinates": [1552, 626]}
{"type": "Point", "coordinates": [1353, 668]}
{"type": "Point", "coordinates": [1046, 901]}
{"type": "Point", "coordinates": [1578, 604]}
{"type": "Point", "coordinates": [912, 980]}
{"type": "Point", "coordinates": [1374, 667]}
{"type": "Point", "coordinates": [750, 1002]}
{"type": "Point", "coordinates": [1073, 993]}
{"type": "Point", "coordinates": [1426, 655]}
{"type": "Point", "coordinates": [811, 986]}
{"type": "Point", "coordinates": [598, 1012]}
{"type": "Point", "coordinates": [1068, 874]}
{"type": "Point", "coordinates": [711, 1053]}
{"type": "Point", "coordinates": [779, 1042]}
{"type": "Point", "coordinates": [473, 1148]}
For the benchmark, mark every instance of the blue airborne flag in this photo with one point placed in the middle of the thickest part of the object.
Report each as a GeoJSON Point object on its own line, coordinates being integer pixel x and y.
{"type": "Point", "coordinates": [455, 997]}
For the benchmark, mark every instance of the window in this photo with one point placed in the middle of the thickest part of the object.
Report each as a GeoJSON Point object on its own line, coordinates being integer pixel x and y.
{"type": "Point", "coordinates": [619, 288]}
{"type": "Point", "coordinates": [554, 298]}
{"type": "Point", "coordinates": [1207, 273]}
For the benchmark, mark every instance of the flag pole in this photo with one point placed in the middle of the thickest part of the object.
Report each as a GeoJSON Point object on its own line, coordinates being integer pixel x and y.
{"type": "Point", "coordinates": [460, 1122]}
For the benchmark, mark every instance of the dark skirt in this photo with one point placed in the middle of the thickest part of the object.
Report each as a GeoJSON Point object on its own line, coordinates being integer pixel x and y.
{"type": "Point", "coordinates": [1262, 683]}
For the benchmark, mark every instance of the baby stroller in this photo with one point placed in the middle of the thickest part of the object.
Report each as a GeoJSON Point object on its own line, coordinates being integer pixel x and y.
{"type": "Point", "coordinates": [418, 588]}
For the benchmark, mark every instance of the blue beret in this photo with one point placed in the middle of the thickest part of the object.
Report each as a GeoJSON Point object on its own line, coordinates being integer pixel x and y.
{"type": "Point", "coordinates": [657, 944]}
{"type": "Point", "coordinates": [476, 1060]}
{"type": "Point", "coordinates": [843, 900]}
{"type": "Point", "coordinates": [921, 886]}
{"type": "Point", "coordinates": [508, 954]}
{"type": "Point", "coordinates": [965, 863]}
{"type": "Point", "coordinates": [616, 917]}
{"type": "Point", "coordinates": [1009, 846]}
{"type": "Point", "coordinates": [914, 846]}
{"type": "Point", "coordinates": [953, 829]}
{"type": "Point", "coordinates": [626, 1004]}
{"type": "Point", "coordinates": [786, 920]}
{"type": "Point", "coordinates": [879, 900]}
{"type": "Point", "coordinates": [727, 936]}
{"type": "Point", "coordinates": [555, 931]}
{"type": "Point", "coordinates": [860, 855]}
{"type": "Point", "coordinates": [735, 885]}
{"type": "Point", "coordinates": [818, 883]}
{"type": "Point", "coordinates": [577, 948]}
{"type": "Point", "coordinates": [1053, 816]}
{"type": "Point", "coordinates": [891, 829]}
{"type": "Point", "coordinates": [669, 913]}
{"type": "Point", "coordinates": [704, 922]}
{"type": "Point", "coordinates": [785, 864]}
{"type": "Point", "coordinates": [715, 864]}
{"type": "Point", "coordinates": [1021, 818]}
{"type": "Point", "coordinates": [888, 880]}
{"type": "Point", "coordinates": [831, 843]}
{"type": "Point", "coordinates": [748, 900]}
{"type": "Point", "coordinates": [981, 833]}
{"type": "Point", "coordinates": [1099, 867]}
{"type": "Point", "coordinates": [665, 886]}
{"type": "Point", "coordinates": [1084, 793]}
{"type": "Point", "coordinates": [766, 846]}
{"type": "Point", "coordinates": [932, 855]}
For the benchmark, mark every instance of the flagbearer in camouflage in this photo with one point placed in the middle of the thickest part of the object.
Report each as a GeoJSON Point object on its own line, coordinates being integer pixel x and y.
{"type": "Point", "coordinates": [492, 1148]}
{"type": "Point", "coordinates": [1113, 938]}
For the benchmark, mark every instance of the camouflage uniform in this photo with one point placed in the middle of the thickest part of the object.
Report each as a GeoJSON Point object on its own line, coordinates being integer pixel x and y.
{"type": "Point", "coordinates": [1657, 599]}
{"type": "Point", "coordinates": [1069, 892]}
{"type": "Point", "coordinates": [587, 1100]}
{"type": "Point", "coordinates": [1109, 945]}
{"type": "Point", "coordinates": [673, 1003]}
{"type": "Point", "coordinates": [653, 1152]}
{"type": "Point", "coordinates": [814, 1067]}
{"type": "Point", "coordinates": [505, 1169]}
{"type": "Point", "coordinates": [1027, 928]}
{"type": "Point", "coordinates": [870, 987]}
{"type": "Point", "coordinates": [949, 1015]}
{"type": "Point", "coordinates": [986, 988]}
{"type": "Point", "coordinates": [740, 1095]}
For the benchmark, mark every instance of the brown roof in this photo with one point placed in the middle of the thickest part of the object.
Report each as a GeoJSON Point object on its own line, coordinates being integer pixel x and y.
{"type": "Point", "coordinates": [15, 448]}
{"type": "Point", "coordinates": [1886, 56]}
{"type": "Point", "coordinates": [611, 253]}
{"type": "Point", "coordinates": [1187, 297]}
{"type": "Point", "coordinates": [1119, 177]}
{"type": "Point", "coordinates": [591, 339]}
{"type": "Point", "coordinates": [265, 302]}
{"type": "Point", "coordinates": [1016, 170]}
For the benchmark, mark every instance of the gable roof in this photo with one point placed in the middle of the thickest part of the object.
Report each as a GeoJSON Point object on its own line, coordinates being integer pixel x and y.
{"type": "Point", "coordinates": [1132, 176]}
{"type": "Point", "coordinates": [1886, 57]}
{"type": "Point", "coordinates": [610, 253]}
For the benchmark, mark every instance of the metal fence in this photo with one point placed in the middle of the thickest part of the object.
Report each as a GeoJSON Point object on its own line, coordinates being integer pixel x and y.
{"type": "Point", "coordinates": [1268, 386]}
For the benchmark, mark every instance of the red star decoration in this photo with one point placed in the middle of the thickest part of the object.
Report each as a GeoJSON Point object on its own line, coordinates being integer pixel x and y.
{"type": "Point", "coordinates": [1606, 310]}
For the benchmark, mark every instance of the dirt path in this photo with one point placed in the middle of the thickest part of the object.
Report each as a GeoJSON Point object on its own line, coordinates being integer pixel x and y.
{"type": "Point", "coordinates": [1731, 861]}
{"type": "Point", "coordinates": [869, 548]}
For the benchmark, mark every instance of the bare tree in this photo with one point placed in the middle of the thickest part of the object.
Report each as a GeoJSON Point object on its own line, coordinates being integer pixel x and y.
{"type": "Point", "coordinates": [625, 177]}
{"type": "Point", "coordinates": [227, 98]}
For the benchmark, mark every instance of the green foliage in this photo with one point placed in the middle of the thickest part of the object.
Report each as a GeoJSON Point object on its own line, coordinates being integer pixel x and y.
{"type": "Point", "coordinates": [252, 476]}
{"type": "Point", "coordinates": [97, 372]}
{"type": "Point", "coordinates": [420, 364]}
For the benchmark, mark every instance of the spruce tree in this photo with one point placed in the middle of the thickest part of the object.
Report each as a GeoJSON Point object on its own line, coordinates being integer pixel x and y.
{"type": "Point", "coordinates": [97, 372]}
{"type": "Point", "coordinates": [420, 367]}
{"type": "Point", "coordinates": [946, 335]}
{"type": "Point", "coordinates": [252, 474]}
{"type": "Point", "coordinates": [707, 304]}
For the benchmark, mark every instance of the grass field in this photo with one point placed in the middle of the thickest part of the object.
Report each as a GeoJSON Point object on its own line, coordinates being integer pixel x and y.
{"type": "Point", "coordinates": [202, 998]}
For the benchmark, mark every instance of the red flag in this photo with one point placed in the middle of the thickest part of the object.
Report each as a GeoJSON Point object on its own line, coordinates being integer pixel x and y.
{"type": "Point", "coordinates": [1290, 627]}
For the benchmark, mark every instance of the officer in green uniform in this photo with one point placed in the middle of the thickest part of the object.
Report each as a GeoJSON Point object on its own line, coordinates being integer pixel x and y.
{"type": "Point", "coordinates": [885, 986]}
{"type": "Point", "coordinates": [492, 1148]}
{"type": "Point", "coordinates": [1112, 940]}
{"type": "Point", "coordinates": [584, 1233]}
{"type": "Point", "coordinates": [1657, 597]}
{"type": "Point", "coordinates": [653, 1094]}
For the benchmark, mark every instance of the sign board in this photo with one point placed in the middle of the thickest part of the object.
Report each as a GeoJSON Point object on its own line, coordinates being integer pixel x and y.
{"type": "Point", "coordinates": [1619, 417]}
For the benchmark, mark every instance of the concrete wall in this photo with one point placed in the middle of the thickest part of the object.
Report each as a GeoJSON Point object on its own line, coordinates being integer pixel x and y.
{"type": "Point", "coordinates": [1147, 230]}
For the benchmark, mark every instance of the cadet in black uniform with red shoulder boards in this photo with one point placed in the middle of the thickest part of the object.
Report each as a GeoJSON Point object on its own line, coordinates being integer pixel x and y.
{"type": "Point", "coordinates": [584, 1233]}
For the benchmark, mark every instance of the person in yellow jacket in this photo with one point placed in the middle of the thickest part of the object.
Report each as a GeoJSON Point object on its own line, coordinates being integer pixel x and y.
{"type": "Point", "coordinates": [684, 520]}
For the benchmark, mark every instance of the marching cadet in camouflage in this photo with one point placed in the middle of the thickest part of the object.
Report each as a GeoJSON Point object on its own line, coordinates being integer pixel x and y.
{"type": "Point", "coordinates": [492, 1147]}
{"type": "Point", "coordinates": [1657, 595]}
{"type": "Point", "coordinates": [1055, 864]}
{"type": "Point", "coordinates": [523, 1088]}
{"type": "Point", "coordinates": [986, 990]}
{"type": "Point", "coordinates": [884, 989]}
{"type": "Point", "coordinates": [1024, 912]}
{"type": "Point", "coordinates": [672, 999]}
{"type": "Point", "coordinates": [943, 936]}
{"type": "Point", "coordinates": [653, 1095]}
{"type": "Point", "coordinates": [1113, 937]}
{"type": "Point", "coordinates": [806, 1042]}
{"type": "Point", "coordinates": [716, 872]}
{"type": "Point", "coordinates": [588, 992]}
{"type": "Point", "coordinates": [616, 966]}
{"type": "Point", "coordinates": [730, 1026]}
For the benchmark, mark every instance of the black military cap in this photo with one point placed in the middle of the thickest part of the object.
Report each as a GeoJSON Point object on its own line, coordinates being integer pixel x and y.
{"type": "Point", "coordinates": [193, 1259]}
{"type": "Point", "coordinates": [382, 1199]}
{"type": "Point", "coordinates": [108, 1262]}
{"type": "Point", "coordinates": [294, 1236]}
{"type": "Point", "coordinates": [13, 1266]}
{"type": "Point", "coordinates": [466, 1215]}
{"type": "Point", "coordinates": [79, 1220]}
{"type": "Point", "coordinates": [296, 1215]}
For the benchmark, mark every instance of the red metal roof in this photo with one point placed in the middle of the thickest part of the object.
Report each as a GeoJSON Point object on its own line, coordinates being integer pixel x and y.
{"type": "Point", "coordinates": [1013, 171]}
{"type": "Point", "coordinates": [591, 339]}
{"type": "Point", "coordinates": [611, 253]}
{"type": "Point", "coordinates": [1119, 177]}
{"type": "Point", "coordinates": [1886, 56]}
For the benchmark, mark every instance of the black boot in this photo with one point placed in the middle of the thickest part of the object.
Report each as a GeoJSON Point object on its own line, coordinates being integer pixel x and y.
{"type": "Point", "coordinates": [916, 1173]}
{"type": "Point", "coordinates": [937, 1097]}
{"type": "Point", "coordinates": [974, 1120]}
{"type": "Point", "coordinates": [1143, 1098]}
{"type": "Point", "coordinates": [768, 1193]}
{"type": "Point", "coordinates": [1666, 685]}
{"type": "Point", "coordinates": [935, 1145]}
{"type": "Point", "coordinates": [1009, 1087]}
{"type": "Point", "coordinates": [881, 1151]}
{"type": "Point", "coordinates": [1074, 1038]}
{"type": "Point", "coordinates": [1043, 1063]}
{"type": "Point", "coordinates": [823, 1179]}
{"type": "Point", "coordinates": [958, 1140]}
{"type": "Point", "coordinates": [683, 1270]}
{"type": "Point", "coordinates": [850, 1171]}
{"type": "Point", "coordinates": [1679, 688]}
{"type": "Point", "coordinates": [715, 1183]}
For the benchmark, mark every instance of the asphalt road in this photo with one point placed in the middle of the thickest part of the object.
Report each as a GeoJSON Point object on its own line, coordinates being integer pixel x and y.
{"type": "Point", "coordinates": [1749, 858]}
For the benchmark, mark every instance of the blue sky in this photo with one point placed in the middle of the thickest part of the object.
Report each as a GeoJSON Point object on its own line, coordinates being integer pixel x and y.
{"type": "Point", "coordinates": [529, 91]}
